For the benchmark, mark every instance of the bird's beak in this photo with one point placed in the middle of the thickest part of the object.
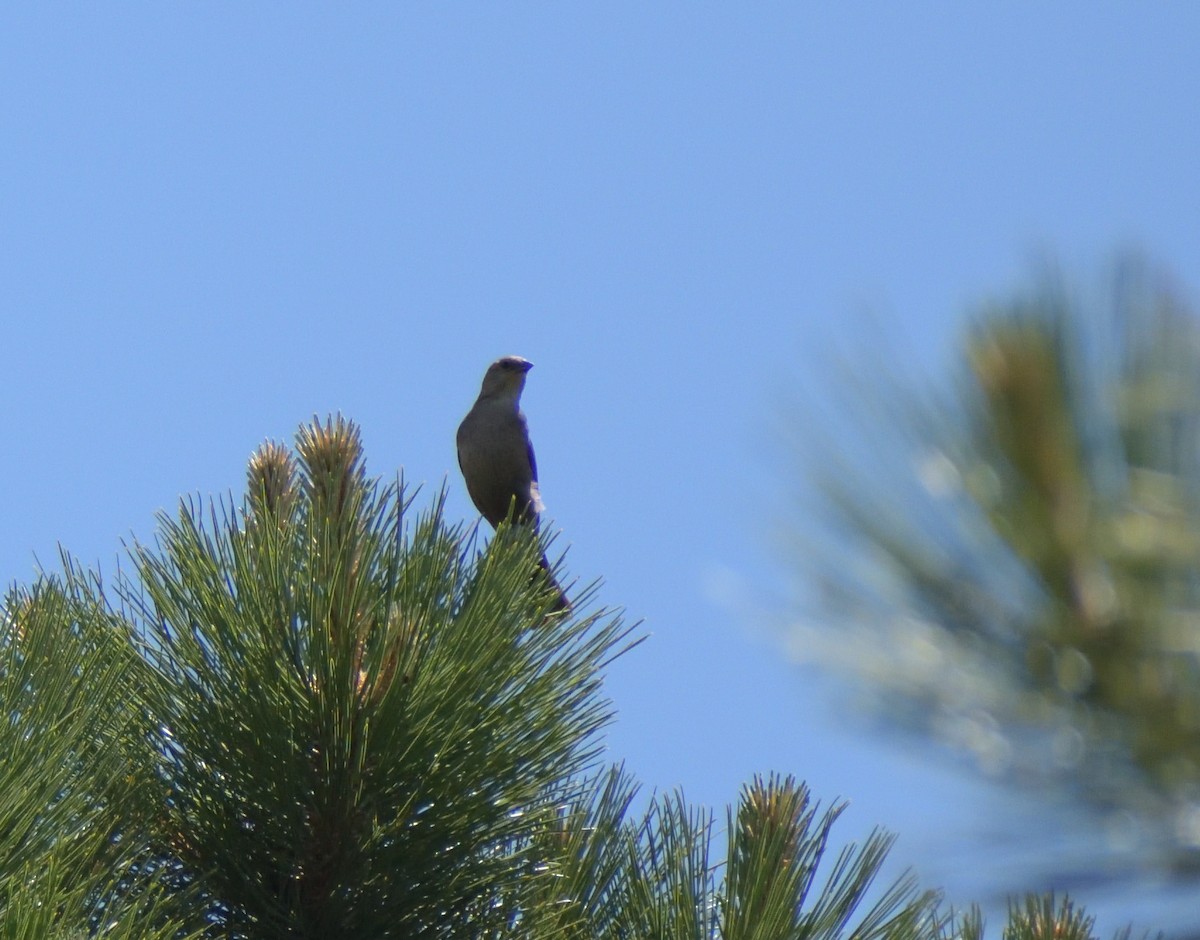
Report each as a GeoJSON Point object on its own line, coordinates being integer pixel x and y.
{"type": "Point", "coordinates": [526, 366]}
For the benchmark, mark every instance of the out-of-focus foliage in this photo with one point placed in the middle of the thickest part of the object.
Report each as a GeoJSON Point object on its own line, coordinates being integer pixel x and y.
{"type": "Point", "coordinates": [1016, 564]}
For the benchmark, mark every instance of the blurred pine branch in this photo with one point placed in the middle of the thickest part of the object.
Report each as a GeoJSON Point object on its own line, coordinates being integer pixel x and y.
{"type": "Point", "coordinates": [1013, 563]}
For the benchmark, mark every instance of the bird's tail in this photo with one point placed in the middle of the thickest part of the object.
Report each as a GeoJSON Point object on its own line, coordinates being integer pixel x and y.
{"type": "Point", "coordinates": [561, 602]}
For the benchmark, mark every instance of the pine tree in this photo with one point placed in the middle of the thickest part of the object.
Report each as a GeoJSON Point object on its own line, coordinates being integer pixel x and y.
{"type": "Point", "coordinates": [1014, 565]}
{"type": "Point", "coordinates": [319, 713]}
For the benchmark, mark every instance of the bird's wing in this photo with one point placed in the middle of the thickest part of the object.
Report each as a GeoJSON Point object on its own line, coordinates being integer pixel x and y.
{"type": "Point", "coordinates": [532, 459]}
{"type": "Point", "coordinates": [535, 493]}
{"type": "Point", "coordinates": [458, 448]}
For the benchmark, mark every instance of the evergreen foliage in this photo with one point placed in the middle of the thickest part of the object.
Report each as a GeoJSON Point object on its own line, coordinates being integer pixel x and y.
{"type": "Point", "coordinates": [70, 807]}
{"type": "Point", "coordinates": [320, 713]}
{"type": "Point", "coordinates": [1014, 565]}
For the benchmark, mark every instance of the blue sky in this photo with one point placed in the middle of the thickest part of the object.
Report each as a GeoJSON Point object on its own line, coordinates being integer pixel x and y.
{"type": "Point", "coordinates": [220, 219]}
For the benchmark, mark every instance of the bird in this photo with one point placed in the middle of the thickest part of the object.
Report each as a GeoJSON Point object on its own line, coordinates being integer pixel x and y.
{"type": "Point", "coordinates": [496, 457]}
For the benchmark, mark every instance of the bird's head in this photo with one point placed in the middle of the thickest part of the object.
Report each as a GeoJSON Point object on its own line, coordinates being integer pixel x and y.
{"type": "Point", "coordinates": [505, 377]}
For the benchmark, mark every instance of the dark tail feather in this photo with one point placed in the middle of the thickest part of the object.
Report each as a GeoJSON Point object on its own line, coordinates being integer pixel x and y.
{"type": "Point", "coordinates": [561, 603]}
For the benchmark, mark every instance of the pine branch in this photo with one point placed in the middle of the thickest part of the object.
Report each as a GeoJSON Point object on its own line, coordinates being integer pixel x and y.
{"type": "Point", "coordinates": [361, 721]}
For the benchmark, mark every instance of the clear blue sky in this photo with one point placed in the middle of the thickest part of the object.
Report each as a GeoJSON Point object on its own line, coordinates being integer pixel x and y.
{"type": "Point", "coordinates": [220, 219]}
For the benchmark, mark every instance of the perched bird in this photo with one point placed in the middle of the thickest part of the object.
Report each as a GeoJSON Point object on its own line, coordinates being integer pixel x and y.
{"type": "Point", "coordinates": [495, 455]}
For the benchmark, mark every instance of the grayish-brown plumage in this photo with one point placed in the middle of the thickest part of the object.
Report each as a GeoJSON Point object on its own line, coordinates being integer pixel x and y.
{"type": "Point", "coordinates": [495, 455]}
